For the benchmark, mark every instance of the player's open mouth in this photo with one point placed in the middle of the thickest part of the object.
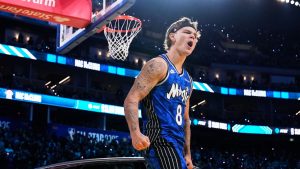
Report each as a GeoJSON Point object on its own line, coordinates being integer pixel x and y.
{"type": "Point", "coordinates": [190, 43]}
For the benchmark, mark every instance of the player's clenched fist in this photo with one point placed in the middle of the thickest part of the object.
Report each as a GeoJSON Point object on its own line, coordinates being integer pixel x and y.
{"type": "Point", "coordinates": [140, 141]}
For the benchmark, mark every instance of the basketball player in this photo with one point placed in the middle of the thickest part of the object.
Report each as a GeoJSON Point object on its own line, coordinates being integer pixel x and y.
{"type": "Point", "coordinates": [164, 88]}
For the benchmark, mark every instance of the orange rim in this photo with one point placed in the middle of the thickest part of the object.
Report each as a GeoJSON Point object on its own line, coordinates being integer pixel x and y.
{"type": "Point", "coordinates": [125, 17]}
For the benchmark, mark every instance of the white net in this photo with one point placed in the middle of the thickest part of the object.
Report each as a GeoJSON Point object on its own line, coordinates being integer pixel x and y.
{"type": "Point", "coordinates": [119, 34]}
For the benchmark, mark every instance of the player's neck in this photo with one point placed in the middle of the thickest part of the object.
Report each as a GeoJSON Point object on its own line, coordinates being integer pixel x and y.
{"type": "Point", "coordinates": [177, 59]}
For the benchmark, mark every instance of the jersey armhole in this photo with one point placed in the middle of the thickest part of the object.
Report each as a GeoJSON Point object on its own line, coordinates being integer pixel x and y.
{"type": "Point", "coordinates": [167, 74]}
{"type": "Point", "coordinates": [163, 81]}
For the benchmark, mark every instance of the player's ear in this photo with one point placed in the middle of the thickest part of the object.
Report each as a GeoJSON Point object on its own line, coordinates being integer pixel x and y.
{"type": "Point", "coordinates": [172, 37]}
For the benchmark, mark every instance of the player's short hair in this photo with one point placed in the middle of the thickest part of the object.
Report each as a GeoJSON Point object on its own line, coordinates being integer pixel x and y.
{"type": "Point", "coordinates": [174, 27]}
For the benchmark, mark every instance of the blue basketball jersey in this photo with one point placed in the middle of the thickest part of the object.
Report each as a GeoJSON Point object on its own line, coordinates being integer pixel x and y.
{"type": "Point", "coordinates": [165, 106]}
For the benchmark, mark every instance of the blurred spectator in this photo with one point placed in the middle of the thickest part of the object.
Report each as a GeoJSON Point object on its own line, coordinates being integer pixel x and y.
{"type": "Point", "coordinates": [28, 149]}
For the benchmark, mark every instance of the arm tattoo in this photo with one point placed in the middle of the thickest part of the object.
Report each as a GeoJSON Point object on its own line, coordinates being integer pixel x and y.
{"type": "Point", "coordinates": [152, 72]}
{"type": "Point", "coordinates": [140, 86]}
{"type": "Point", "coordinates": [133, 125]}
{"type": "Point", "coordinates": [132, 115]}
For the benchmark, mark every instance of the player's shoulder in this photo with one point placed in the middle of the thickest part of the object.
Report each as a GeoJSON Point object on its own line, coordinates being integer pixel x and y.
{"type": "Point", "coordinates": [157, 66]}
{"type": "Point", "coordinates": [158, 60]}
{"type": "Point", "coordinates": [157, 63]}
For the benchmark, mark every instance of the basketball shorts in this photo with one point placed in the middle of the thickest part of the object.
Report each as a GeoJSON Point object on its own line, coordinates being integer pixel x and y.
{"type": "Point", "coordinates": [165, 155]}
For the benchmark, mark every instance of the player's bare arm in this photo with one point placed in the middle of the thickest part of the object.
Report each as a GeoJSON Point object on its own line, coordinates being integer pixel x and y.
{"type": "Point", "coordinates": [151, 74]}
{"type": "Point", "coordinates": [187, 131]}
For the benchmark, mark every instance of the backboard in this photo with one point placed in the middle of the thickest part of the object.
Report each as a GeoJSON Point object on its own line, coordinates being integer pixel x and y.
{"type": "Point", "coordinates": [103, 12]}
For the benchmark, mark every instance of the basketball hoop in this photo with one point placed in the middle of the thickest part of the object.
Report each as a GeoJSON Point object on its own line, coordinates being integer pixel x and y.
{"type": "Point", "coordinates": [119, 33]}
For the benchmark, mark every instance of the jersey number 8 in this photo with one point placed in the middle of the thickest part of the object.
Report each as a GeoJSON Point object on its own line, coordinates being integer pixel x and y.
{"type": "Point", "coordinates": [178, 115]}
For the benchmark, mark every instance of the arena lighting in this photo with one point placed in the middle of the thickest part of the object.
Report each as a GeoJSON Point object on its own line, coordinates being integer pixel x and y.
{"type": "Point", "coordinates": [195, 122]}
{"type": "Point", "coordinates": [193, 106]}
{"type": "Point", "coordinates": [298, 113]}
{"type": "Point", "coordinates": [17, 36]}
{"type": "Point", "coordinates": [198, 104]}
{"type": "Point", "coordinates": [52, 87]}
{"type": "Point", "coordinates": [47, 83]}
{"type": "Point", "coordinates": [217, 75]}
{"type": "Point", "coordinates": [292, 2]}
{"type": "Point", "coordinates": [107, 54]}
{"type": "Point", "coordinates": [64, 80]}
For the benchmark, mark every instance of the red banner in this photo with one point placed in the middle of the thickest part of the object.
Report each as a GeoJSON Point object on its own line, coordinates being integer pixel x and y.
{"type": "Point", "coordinates": [76, 13]}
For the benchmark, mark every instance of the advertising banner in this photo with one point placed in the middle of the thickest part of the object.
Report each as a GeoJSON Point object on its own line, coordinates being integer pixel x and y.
{"type": "Point", "coordinates": [66, 12]}
{"type": "Point", "coordinates": [99, 135]}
